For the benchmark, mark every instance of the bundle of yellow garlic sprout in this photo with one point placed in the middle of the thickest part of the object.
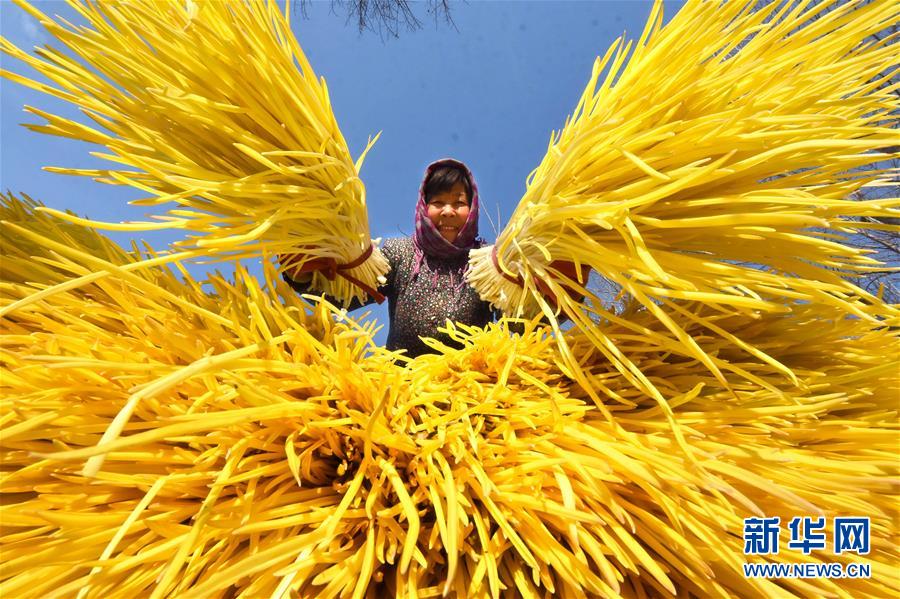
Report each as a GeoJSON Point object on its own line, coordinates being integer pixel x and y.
{"type": "Point", "coordinates": [283, 455]}
{"type": "Point", "coordinates": [713, 162]}
{"type": "Point", "coordinates": [216, 107]}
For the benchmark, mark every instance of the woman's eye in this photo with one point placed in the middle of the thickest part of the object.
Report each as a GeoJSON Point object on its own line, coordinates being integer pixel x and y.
{"type": "Point", "coordinates": [456, 205]}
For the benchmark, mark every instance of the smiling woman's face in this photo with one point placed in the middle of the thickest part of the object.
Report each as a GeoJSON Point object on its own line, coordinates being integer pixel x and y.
{"type": "Point", "coordinates": [448, 210]}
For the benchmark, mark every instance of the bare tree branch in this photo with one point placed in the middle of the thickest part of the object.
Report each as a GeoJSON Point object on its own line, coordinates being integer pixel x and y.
{"type": "Point", "coordinates": [387, 17]}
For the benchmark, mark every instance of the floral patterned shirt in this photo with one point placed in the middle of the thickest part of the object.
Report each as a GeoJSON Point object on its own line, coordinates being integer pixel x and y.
{"type": "Point", "coordinates": [418, 306]}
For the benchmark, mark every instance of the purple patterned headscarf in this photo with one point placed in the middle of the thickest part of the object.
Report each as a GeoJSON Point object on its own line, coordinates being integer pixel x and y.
{"type": "Point", "coordinates": [428, 241]}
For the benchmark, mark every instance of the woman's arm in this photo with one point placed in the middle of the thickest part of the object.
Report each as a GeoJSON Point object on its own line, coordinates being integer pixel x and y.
{"type": "Point", "coordinates": [302, 283]}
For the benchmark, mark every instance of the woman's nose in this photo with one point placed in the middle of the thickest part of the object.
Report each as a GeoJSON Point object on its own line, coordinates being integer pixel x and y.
{"type": "Point", "coordinates": [448, 207]}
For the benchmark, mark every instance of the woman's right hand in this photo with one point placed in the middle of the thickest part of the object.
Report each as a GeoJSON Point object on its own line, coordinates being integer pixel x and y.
{"type": "Point", "coordinates": [291, 270]}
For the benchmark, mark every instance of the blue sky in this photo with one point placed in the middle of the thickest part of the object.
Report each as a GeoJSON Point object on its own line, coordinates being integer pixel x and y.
{"type": "Point", "coordinates": [488, 92]}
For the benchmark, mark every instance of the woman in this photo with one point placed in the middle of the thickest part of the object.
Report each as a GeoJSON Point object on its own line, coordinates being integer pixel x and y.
{"type": "Point", "coordinates": [426, 284]}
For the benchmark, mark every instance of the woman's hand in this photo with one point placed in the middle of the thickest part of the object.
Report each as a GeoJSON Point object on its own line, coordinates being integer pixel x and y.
{"type": "Point", "coordinates": [292, 269]}
{"type": "Point", "coordinates": [568, 269]}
